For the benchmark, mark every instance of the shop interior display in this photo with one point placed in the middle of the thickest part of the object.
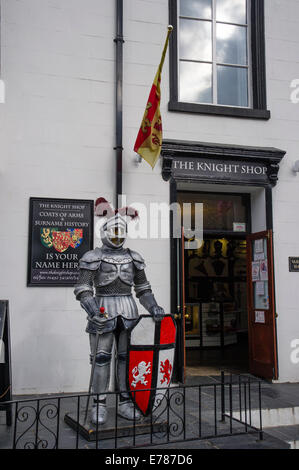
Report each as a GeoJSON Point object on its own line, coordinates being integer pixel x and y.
{"type": "Point", "coordinates": [216, 305]}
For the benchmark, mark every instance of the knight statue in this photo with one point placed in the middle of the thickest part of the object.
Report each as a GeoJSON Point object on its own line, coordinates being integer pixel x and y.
{"type": "Point", "coordinates": [107, 275]}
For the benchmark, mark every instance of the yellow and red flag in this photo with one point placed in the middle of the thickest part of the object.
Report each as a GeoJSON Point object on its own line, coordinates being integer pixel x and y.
{"type": "Point", "coordinates": [149, 139]}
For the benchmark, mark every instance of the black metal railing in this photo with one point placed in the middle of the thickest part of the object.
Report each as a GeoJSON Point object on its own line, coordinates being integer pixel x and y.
{"type": "Point", "coordinates": [225, 407]}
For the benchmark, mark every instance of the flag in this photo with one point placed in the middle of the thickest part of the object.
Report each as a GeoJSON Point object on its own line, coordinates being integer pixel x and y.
{"type": "Point", "coordinates": [149, 139]}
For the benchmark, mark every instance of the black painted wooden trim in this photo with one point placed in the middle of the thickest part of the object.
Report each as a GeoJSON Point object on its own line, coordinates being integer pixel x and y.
{"type": "Point", "coordinates": [119, 41]}
{"type": "Point", "coordinates": [259, 110]}
{"type": "Point", "coordinates": [177, 375]}
{"type": "Point", "coordinates": [215, 110]}
{"type": "Point", "coordinates": [5, 369]}
{"type": "Point", "coordinates": [258, 54]}
{"type": "Point", "coordinates": [269, 208]}
{"type": "Point", "coordinates": [184, 148]}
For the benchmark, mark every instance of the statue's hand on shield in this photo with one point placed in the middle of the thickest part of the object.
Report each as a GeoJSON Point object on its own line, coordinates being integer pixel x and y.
{"type": "Point", "coordinates": [157, 313]}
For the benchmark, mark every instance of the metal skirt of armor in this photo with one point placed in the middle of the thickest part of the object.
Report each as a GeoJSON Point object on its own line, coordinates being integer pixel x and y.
{"type": "Point", "coordinates": [123, 306]}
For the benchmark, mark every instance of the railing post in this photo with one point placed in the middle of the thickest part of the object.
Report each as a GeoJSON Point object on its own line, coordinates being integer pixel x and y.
{"type": "Point", "coordinates": [215, 408]}
{"type": "Point", "coordinates": [58, 424]}
{"type": "Point", "coordinates": [199, 410]}
{"type": "Point", "coordinates": [222, 397]}
{"type": "Point", "coordinates": [78, 420]}
{"type": "Point", "coordinates": [36, 427]}
{"type": "Point", "coordinates": [15, 425]}
{"type": "Point", "coordinates": [116, 408]}
{"type": "Point", "coordinates": [261, 434]}
{"type": "Point", "coordinates": [231, 405]}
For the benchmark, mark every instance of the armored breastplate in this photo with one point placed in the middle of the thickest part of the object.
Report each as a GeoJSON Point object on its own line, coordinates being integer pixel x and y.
{"type": "Point", "coordinates": [112, 267]}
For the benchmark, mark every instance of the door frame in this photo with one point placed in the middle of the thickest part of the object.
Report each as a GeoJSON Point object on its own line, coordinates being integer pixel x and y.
{"type": "Point", "coordinates": [180, 355]}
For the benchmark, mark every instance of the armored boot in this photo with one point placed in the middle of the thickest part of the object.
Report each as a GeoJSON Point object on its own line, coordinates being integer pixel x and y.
{"type": "Point", "coordinates": [127, 410]}
{"type": "Point", "coordinates": [99, 413]}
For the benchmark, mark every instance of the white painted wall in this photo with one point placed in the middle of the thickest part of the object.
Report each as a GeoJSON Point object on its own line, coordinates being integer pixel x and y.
{"type": "Point", "coordinates": [258, 210]}
{"type": "Point", "coordinates": [57, 138]}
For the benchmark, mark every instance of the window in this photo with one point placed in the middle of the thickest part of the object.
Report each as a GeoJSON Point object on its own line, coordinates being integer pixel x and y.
{"type": "Point", "coordinates": [217, 57]}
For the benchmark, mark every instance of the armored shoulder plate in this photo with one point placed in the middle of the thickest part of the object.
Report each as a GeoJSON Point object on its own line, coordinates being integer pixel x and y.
{"type": "Point", "coordinates": [91, 260]}
{"type": "Point", "coordinates": [137, 260]}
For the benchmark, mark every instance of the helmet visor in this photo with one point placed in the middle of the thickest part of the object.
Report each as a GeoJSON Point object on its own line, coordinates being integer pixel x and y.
{"type": "Point", "coordinates": [116, 235]}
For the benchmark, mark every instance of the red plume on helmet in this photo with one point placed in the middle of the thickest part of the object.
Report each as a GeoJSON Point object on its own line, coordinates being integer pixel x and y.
{"type": "Point", "coordinates": [128, 211]}
{"type": "Point", "coordinates": [104, 209]}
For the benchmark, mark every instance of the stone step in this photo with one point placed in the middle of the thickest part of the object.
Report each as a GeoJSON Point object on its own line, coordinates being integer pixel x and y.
{"type": "Point", "coordinates": [271, 417]}
{"type": "Point", "coordinates": [289, 434]}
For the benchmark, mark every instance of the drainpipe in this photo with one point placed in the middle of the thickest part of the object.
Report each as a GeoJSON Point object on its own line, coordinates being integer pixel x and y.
{"type": "Point", "coordinates": [119, 40]}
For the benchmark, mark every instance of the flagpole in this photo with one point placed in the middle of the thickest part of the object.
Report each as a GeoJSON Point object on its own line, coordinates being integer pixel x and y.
{"type": "Point", "coordinates": [169, 31]}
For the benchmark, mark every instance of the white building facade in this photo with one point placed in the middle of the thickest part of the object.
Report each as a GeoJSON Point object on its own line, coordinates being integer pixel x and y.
{"type": "Point", "coordinates": [57, 140]}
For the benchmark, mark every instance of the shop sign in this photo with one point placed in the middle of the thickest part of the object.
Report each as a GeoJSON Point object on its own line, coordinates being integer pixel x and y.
{"type": "Point", "coordinates": [294, 264]}
{"type": "Point", "coordinates": [60, 232]}
{"type": "Point", "coordinates": [219, 170]}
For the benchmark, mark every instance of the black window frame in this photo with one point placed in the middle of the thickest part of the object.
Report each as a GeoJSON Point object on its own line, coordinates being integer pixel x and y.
{"type": "Point", "coordinates": [258, 71]}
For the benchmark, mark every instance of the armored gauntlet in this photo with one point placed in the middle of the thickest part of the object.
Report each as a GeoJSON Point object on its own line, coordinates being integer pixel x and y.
{"type": "Point", "coordinates": [148, 301]}
{"type": "Point", "coordinates": [88, 303]}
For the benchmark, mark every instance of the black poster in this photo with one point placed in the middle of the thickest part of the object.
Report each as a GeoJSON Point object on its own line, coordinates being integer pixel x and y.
{"type": "Point", "coordinates": [60, 232]}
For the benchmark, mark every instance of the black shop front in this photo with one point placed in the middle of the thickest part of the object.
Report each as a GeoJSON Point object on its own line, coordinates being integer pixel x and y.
{"type": "Point", "coordinates": [223, 287]}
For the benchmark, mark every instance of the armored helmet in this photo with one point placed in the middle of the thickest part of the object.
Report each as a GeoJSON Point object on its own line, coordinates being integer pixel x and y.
{"type": "Point", "coordinates": [114, 229]}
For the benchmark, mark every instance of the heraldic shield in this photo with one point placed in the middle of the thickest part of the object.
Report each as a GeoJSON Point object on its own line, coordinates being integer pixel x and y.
{"type": "Point", "coordinates": [150, 361]}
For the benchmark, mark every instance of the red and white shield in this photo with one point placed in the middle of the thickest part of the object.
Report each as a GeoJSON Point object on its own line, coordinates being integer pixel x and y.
{"type": "Point", "coordinates": [150, 361]}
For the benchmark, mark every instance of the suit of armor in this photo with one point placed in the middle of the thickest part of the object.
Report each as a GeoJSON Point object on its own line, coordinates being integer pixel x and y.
{"type": "Point", "coordinates": [107, 275]}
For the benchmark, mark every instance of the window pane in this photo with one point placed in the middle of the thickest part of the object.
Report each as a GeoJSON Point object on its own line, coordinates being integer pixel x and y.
{"type": "Point", "coordinates": [232, 86]}
{"type": "Point", "coordinates": [219, 211]}
{"type": "Point", "coordinates": [195, 40]}
{"type": "Point", "coordinates": [231, 11]}
{"type": "Point", "coordinates": [195, 82]}
{"type": "Point", "coordinates": [196, 8]}
{"type": "Point", "coordinates": [231, 44]}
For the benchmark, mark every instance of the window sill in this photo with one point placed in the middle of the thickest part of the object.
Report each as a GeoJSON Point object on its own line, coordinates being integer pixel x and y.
{"type": "Point", "coordinates": [219, 110]}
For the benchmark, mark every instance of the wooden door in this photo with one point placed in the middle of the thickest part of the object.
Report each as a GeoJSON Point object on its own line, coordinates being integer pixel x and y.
{"type": "Point", "coordinates": [261, 306]}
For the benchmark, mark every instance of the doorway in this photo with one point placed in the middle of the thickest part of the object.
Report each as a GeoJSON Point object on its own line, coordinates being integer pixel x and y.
{"type": "Point", "coordinates": [223, 289]}
{"type": "Point", "coordinates": [216, 315]}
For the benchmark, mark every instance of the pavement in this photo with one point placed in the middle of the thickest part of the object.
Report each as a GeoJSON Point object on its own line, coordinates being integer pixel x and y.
{"type": "Point", "coordinates": [201, 398]}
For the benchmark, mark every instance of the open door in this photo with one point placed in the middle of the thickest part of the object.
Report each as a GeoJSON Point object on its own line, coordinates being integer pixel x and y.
{"type": "Point", "coordinates": [261, 306]}
{"type": "Point", "coordinates": [180, 352]}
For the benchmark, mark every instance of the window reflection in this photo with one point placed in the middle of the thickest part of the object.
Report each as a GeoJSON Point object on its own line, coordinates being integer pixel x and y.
{"type": "Point", "coordinates": [195, 82]}
{"type": "Point", "coordinates": [231, 11]}
{"type": "Point", "coordinates": [231, 44]}
{"type": "Point", "coordinates": [193, 34]}
{"type": "Point", "coordinates": [196, 8]}
{"type": "Point", "coordinates": [205, 52]}
{"type": "Point", "coordinates": [232, 86]}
